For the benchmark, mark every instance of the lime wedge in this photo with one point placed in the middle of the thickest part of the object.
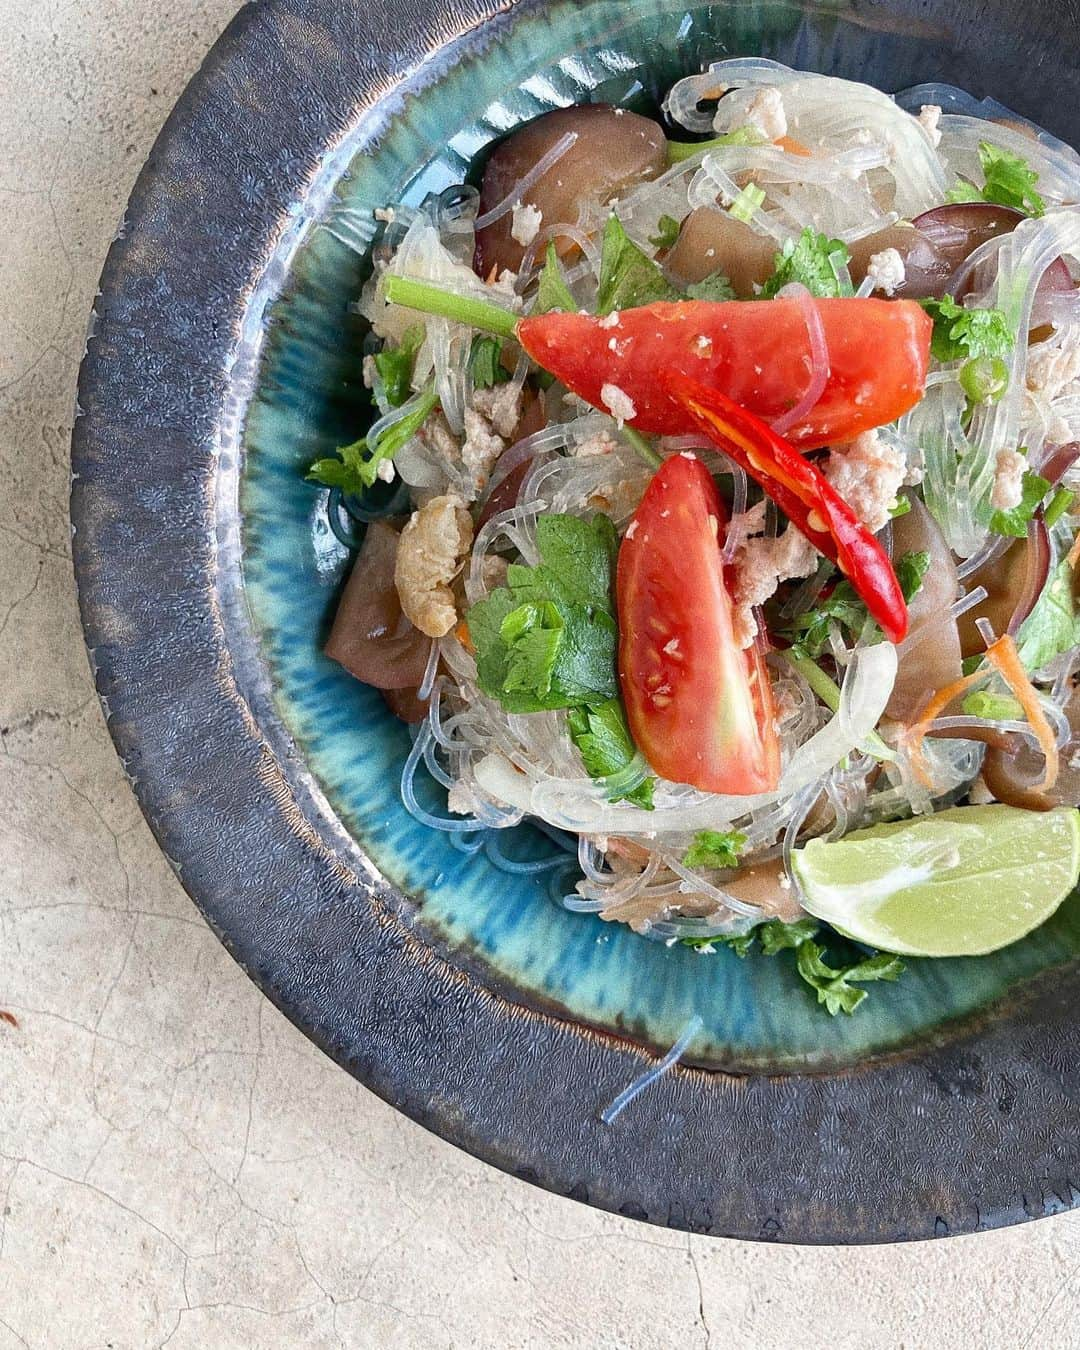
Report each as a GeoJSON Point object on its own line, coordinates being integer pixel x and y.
{"type": "Point", "coordinates": [960, 883]}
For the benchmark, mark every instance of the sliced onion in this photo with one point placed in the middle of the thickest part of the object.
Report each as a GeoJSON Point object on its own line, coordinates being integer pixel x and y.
{"type": "Point", "coordinates": [819, 360]}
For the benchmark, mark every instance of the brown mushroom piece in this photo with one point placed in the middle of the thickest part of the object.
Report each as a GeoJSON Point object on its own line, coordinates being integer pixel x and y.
{"type": "Point", "coordinates": [714, 241]}
{"type": "Point", "coordinates": [931, 661]}
{"type": "Point", "coordinates": [614, 149]}
{"type": "Point", "coordinates": [761, 885]}
{"type": "Point", "coordinates": [371, 637]}
{"type": "Point", "coordinates": [1012, 775]}
{"type": "Point", "coordinates": [1013, 581]}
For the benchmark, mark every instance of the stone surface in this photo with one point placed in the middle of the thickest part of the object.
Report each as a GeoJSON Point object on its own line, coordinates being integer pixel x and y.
{"type": "Point", "coordinates": [177, 1163]}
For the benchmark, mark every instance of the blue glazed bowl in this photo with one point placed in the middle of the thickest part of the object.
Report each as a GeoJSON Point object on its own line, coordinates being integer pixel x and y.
{"type": "Point", "coordinates": [225, 359]}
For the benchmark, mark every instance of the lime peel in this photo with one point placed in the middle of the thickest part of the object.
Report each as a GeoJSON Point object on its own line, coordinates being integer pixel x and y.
{"type": "Point", "coordinates": [963, 882]}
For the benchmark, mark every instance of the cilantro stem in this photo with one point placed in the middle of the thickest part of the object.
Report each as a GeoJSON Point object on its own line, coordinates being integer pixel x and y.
{"type": "Point", "coordinates": [642, 446]}
{"type": "Point", "coordinates": [1058, 505]}
{"type": "Point", "coordinates": [677, 151]}
{"type": "Point", "coordinates": [829, 692]}
{"type": "Point", "coordinates": [461, 308]}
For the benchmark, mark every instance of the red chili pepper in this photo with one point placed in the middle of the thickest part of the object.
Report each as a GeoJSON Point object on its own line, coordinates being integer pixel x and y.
{"type": "Point", "coordinates": [803, 494]}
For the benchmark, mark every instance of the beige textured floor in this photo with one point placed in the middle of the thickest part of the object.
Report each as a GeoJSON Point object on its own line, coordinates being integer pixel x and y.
{"type": "Point", "coordinates": [176, 1162]}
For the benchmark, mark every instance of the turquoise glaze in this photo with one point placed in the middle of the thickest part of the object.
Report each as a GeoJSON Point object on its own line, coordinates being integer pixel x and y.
{"type": "Point", "coordinates": [309, 399]}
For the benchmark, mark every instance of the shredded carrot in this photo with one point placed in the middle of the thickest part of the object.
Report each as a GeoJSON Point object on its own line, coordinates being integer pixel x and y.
{"type": "Point", "coordinates": [794, 147]}
{"type": "Point", "coordinates": [461, 632]}
{"type": "Point", "coordinates": [934, 706]}
{"type": "Point", "coordinates": [1004, 658]}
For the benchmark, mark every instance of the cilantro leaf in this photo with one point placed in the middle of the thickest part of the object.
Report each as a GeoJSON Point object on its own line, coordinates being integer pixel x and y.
{"type": "Point", "coordinates": [1053, 626]}
{"type": "Point", "coordinates": [533, 636]}
{"type": "Point", "coordinates": [667, 231]}
{"type": "Point", "coordinates": [547, 639]}
{"type": "Point", "coordinates": [961, 333]}
{"type": "Point", "coordinates": [911, 570]}
{"type": "Point", "coordinates": [843, 607]}
{"type": "Point", "coordinates": [1008, 180]}
{"type": "Point", "coordinates": [715, 287]}
{"type": "Point", "coordinates": [1015, 520]}
{"type": "Point", "coordinates": [356, 467]}
{"type": "Point", "coordinates": [740, 943]}
{"type": "Point", "coordinates": [343, 472]}
{"type": "Point", "coordinates": [395, 365]}
{"type": "Point", "coordinates": [714, 848]}
{"type": "Point", "coordinates": [578, 557]}
{"type": "Point", "coordinates": [603, 739]}
{"type": "Point", "coordinates": [814, 261]}
{"type": "Point", "coordinates": [777, 936]}
{"type": "Point", "coordinates": [553, 292]}
{"type": "Point", "coordinates": [963, 191]}
{"type": "Point", "coordinates": [835, 988]}
{"type": "Point", "coordinates": [628, 277]}
{"type": "Point", "coordinates": [485, 366]}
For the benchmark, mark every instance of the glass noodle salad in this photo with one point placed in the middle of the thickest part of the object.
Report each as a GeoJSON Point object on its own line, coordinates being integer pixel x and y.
{"type": "Point", "coordinates": [721, 516]}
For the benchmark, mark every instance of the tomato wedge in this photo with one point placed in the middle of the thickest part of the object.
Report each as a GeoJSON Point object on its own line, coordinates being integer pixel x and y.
{"type": "Point", "coordinates": [757, 352]}
{"type": "Point", "coordinates": [699, 708]}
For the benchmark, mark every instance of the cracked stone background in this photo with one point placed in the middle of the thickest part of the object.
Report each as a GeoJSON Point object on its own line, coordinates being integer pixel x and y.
{"type": "Point", "coordinates": [177, 1164]}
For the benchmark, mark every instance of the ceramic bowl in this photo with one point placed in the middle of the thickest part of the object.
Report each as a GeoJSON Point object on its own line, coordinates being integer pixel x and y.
{"type": "Point", "coordinates": [223, 359]}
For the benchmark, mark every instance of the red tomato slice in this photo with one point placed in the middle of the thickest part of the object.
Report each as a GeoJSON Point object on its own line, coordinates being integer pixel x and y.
{"type": "Point", "coordinates": [757, 352]}
{"type": "Point", "coordinates": [700, 710]}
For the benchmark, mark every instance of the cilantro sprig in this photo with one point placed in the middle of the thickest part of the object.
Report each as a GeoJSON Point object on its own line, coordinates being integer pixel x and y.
{"type": "Point", "coordinates": [979, 337]}
{"type": "Point", "coordinates": [1009, 180]}
{"type": "Point", "coordinates": [813, 260]}
{"type": "Point", "coordinates": [836, 987]}
{"type": "Point", "coordinates": [547, 640]}
{"type": "Point", "coordinates": [357, 465]}
{"type": "Point", "coordinates": [843, 609]}
{"type": "Point", "coordinates": [606, 748]}
{"type": "Point", "coordinates": [964, 334]}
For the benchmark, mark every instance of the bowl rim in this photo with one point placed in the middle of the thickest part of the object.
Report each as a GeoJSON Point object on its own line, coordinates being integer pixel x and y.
{"type": "Point", "coordinates": [305, 913]}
